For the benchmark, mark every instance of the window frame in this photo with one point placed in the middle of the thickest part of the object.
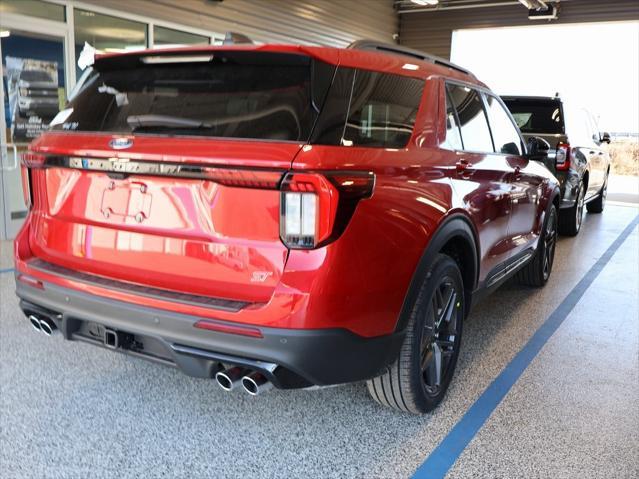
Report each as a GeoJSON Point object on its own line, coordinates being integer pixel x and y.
{"type": "Point", "coordinates": [477, 90]}
{"type": "Point", "coordinates": [447, 100]}
{"type": "Point", "coordinates": [522, 143]}
{"type": "Point", "coordinates": [481, 90]}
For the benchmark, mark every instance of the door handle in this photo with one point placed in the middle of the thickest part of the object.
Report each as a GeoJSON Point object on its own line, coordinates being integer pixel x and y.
{"type": "Point", "coordinates": [462, 165]}
{"type": "Point", "coordinates": [517, 172]}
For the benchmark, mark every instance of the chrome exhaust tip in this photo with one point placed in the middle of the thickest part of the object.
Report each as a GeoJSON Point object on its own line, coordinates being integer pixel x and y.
{"type": "Point", "coordinates": [256, 383]}
{"type": "Point", "coordinates": [230, 378]}
{"type": "Point", "coordinates": [47, 326]}
{"type": "Point", "coordinates": [35, 322]}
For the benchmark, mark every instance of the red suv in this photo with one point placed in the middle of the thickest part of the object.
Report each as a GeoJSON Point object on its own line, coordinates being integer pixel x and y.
{"type": "Point", "coordinates": [282, 216]}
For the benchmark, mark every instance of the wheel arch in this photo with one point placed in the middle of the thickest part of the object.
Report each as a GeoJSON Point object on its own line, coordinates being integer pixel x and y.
{"type": "Point", "coordinates": [455, 237]}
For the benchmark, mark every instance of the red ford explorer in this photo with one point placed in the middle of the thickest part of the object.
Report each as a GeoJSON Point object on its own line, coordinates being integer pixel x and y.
{"type": "Point", "coordinates": [282, 216]}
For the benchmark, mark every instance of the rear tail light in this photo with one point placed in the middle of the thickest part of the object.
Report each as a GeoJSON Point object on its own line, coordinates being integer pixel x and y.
{"type": "Point", "coordinates": [29, 160]}
{"type": "Point", "coordinates": [315, 208]}
{"type": "Point", "coordinates": [562, 157]}
{"type": "Point", "coordinates": [33, 160]}
{"type": "Point", "coordinates": [26, 186]}
{"type": "Point", "coordinates": [243, 178]}
{"type": "Point", "coordinates": [228, 328]}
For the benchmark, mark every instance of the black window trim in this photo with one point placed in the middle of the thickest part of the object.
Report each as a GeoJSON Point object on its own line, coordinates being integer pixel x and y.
{"type": "Point", "coordinates": [522, 143]}
{"type": "Point", "coordinates": [450, 100]}
{"type": "Point", "coordinates": [478, 89]}
{"type": "Point", "coordinates": [486, 91]}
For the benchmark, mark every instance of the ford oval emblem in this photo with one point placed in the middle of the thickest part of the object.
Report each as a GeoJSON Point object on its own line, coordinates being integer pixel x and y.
{"type": "Point", "coordinates": [121, 143]}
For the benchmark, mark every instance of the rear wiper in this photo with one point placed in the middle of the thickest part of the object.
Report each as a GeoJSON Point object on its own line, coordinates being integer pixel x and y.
{"type": "Point", "coordinates": [143, 121]}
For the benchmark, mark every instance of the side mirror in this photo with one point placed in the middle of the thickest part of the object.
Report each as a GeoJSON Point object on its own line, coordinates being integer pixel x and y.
{"type": "Point", "coordinates": [605, 137]}
{"type": "Point", "coordinates": [537, 148]}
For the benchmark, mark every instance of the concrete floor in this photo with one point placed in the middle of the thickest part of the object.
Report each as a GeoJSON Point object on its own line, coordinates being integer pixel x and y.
{"type": "Point", "coordinates": [70, 410]}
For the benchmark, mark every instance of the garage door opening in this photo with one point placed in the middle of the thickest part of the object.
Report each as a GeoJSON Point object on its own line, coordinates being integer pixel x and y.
{"type": "Point", "coordinates": [595, 65]}
{"type": "Point", "coordinates": [592, 65]}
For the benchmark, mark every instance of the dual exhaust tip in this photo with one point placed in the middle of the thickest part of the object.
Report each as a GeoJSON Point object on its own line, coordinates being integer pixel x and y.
{"type": "Point", "coordinates": [253, 382]}
{"type": "Point", "coordinates": [42, 324]}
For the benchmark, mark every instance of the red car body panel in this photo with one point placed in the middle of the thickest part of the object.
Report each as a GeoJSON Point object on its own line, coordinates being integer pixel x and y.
{"type": "Point", "coordinates": [204, 238]}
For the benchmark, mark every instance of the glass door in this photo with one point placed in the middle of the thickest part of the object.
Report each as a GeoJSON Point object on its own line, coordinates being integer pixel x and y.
{"type": "Point", "coordinates": [33, 90]}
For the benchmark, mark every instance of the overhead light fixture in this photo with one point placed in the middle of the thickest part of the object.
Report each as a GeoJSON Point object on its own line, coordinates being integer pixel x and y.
{"type": "Point", "coordinates": [177, 59]}
{"type": "Point", "coordinates": [425, 2]}
{"type": "Point", "coordinates": [4, 33]}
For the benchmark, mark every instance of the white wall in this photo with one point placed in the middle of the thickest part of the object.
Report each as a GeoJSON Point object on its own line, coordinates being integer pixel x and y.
{"type": "Point", "coordinates": [311, 22]}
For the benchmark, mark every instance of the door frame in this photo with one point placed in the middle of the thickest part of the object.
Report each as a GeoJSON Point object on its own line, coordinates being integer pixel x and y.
{"type": "Point", "coordinates": [56, 30]}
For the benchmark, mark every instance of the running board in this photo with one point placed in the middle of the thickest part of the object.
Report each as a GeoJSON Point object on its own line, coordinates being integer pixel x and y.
{"type": "Point", "coordinates": [509, 268]}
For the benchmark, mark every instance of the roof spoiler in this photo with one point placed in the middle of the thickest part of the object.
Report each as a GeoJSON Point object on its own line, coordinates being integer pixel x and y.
{"type": "Point", "coordinates": [372, 45]}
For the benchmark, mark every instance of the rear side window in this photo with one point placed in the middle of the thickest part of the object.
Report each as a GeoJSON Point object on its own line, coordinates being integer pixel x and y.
{"type": "Point", "coordinates": [234, 94]}
{"type": "Point", "coordinates": [472, 118]}
{"type": "Point", "coordinates": [537, 115]}
{"type": "Point", "coordinates": [505, 135]}
{"type": "Point", "coordinates": [382, 110]}
{"type": "Point", "coordinates": [368, 109]}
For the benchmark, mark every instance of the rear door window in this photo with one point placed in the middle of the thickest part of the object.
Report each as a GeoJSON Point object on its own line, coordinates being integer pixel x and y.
{"type": "Point", "coordinates": [472, 118]}
{"type": "Point", "coordinates": [505, 135]}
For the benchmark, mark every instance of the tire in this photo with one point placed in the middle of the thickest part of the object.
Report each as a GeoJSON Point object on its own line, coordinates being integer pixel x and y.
{"type": "Point", "coordinates": [538, 269]}
{"type": "Point", "coordinates": [597, 205]}
{"type": "Point", "coordinates": [571, 218]}
{"type": "Point", "coordinates": [414, 382]}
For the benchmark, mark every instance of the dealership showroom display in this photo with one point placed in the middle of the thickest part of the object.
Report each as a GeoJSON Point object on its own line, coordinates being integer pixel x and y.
{"type": "Point", "coordinates": [331, 238]}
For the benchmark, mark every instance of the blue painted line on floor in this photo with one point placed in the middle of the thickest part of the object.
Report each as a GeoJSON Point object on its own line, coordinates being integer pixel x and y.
{"type": "Point", "coordinates": [442, 458]}
{"type": "Point", "coordinates": [8, 270]}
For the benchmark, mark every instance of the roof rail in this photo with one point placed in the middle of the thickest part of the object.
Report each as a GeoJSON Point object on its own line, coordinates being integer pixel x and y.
{"type": "Point", "coordinates": [234, 38]}
{"type": "Point", "coordinates": [372, 45]}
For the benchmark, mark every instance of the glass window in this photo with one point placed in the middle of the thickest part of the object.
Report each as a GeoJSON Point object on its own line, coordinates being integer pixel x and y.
{"type": "Point", "coordinates": [453, 135]}
{"type": "Point", "coordinates": [472, 119]}
{"type": "Point", "coordinates": [534, 115]}
{"type": "Point", "coordinates": [234, 94]}
{"type": "Point", "coordinates": [107, 34]}
{"type": "Point", "coordinates": [382, 110]}
{"type": "Point", "coordinates": [167, 37]}
{"type": "Point", "coordinates": [33, 77]}
{"type": "Point", "coordinates": [505, 136]}
{"type": "Point", "coordinates": [34, 8]}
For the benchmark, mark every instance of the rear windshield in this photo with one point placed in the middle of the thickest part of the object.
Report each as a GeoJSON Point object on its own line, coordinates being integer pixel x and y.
{"type": "Point", "coordinates": [252, 95]}
{"type": "Point", "coordinates": [537, 116]}
{"type": "Point", "coordinates": [237, 95]}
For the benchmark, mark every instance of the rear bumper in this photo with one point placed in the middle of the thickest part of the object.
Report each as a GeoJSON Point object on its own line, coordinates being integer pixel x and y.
{"type": "Point", "coordinates": [569, 183]}
{"type": "Point", "coordinates": [304, 357]}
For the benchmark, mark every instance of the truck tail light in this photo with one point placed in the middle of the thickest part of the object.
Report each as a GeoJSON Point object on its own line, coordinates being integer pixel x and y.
{"type": "Point", "coordinates": [562, 157]}
{"type": "Point", "coordinates": [316, 207]}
